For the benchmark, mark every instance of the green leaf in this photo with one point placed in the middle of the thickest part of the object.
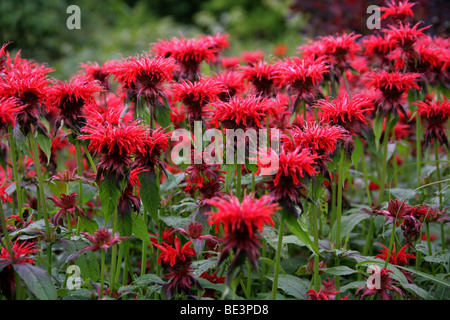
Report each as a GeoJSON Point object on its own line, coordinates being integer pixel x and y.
{"type": "Point", "coordinates": [296, 229]}
{"type": "Point", "coordinates": [418, 291]}
{"type": "Point", "coordinates": [427, 276]}
{"type": "Point", "coordinates": [293, 286]}
{"type": "Point", "coordinates": [348, 223]}
{"type": "Point", "coordinates": [89, 191]}
{"type": "Point", "coordinates": [44, 142]}
{"type": "Point", "coordinates": [109, 196]}
{"type": "Point", "coordinates": [340, 271]}
{"type": "Point", "coordinates": [162, 116]}
{"type": "Point", "coordinates": [89, 225]}
{"type": "Point", "coordinates": [37, 281]}
{"type": "Point", "coordinates": [139, 228]}
{"type": "Point", "coordinates": [22, 142]}
{"type": "Point", "coordinates": [125, 225]}
{"type": "Point", "coordinates": [149, 192]}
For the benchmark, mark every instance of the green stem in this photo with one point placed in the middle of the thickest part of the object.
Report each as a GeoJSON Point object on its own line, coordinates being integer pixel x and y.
{"type": "Point", "coordinates": [384, 164]}
{"type": "Point", "coordinates": [238, 180]}
{"type": "Point", "coordinates": [112, 275]}
{"type": "Point", "coordinates": [347, 87]}
{"type": "Point", "coordinates": [419, 151]}
{"type": "Point", "coordinates": [277, 258]}
{"type": "Point", "coordinates": [144, 247]}
{"type": "Point", "coordinates": [12, 145]}
{"type": "Point", "coordinates": [341, 180]}
{"type": "Point", "coordinates": [79, 156]}
{"type": "Point", "coordinates": [5, 231]}
{"type": "Point", "coordinates": [366, 176]}
{"type": "Point", "coordinates": [91, 162]}
{"type": "Point", "coordinates": [391, 242]}
{"type": "Point", "coordinates": [438, 171]}
{"type": "Point", "coordinates": [249, 279]}
{"type": "Point", "coordinates": [119, 263]}
{"type": "Point", "coordinates": [102, 273]}
{"type": "Point", "coordinates": [314, 229]}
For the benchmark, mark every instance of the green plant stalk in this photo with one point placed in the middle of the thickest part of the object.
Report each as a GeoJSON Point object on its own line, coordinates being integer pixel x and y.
{"type": "Point", "coordinates": [119, 263]}
{"type": "Point", "coordinates": [340, 187]}
{"type": "Point", "coordinates": [384, 164]}
{"type": "Point", "coordinates": [238, 180]}
{"type": "Point", "coordinates": [391, 242]}
{"type": "Point", "coordinates": [315, 231]}
{"type": "Point", "coordinates": [91, 162]}
{"type": "Point", "coordinates": [418, 150]}
{"type": "Point", "coordinates": [277, 258]}
{"type": "Point", "coordinates": [249, 279]}
{"type": "Point", "coordinates": [41, 196]}
{"type": "Point", "coordinates": [366, 177]}
{"type": "Point", "coordinates": [347, 87]}
{"type": "Point", "coordinates": [79, 156]}
{"type": "Point", "coordinates": [438, 172]}
{"type": "Point", "coordinates": [430, 250]}
{"type": "Point", "coordinates": [144, 247]}
{"type": "Point", "coordinates": [12, 146]}
{"type": "Point", "coordinates": [112, 275]}
{"type": "Point", "coordinates": [126, 262]}
{"type": "Point", "coordinates": [102, 273]}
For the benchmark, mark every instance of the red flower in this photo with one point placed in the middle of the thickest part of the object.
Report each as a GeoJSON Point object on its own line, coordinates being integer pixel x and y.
{"type": "Point", "coordinates": [154, 143]}
{"type": "Point", "coordinates": [381, 284]}
{"type": "Point", "coordinates": [377, 45]}
{"type": "Point", "coordinates": [346, 112]}
{"type": "Point", "coordinates": [262, 76]}
{"type": "Point", "coordinates": [233, 82]}
{"type": "Point", "coordinates": [145, 75]}
{"type": "Point", "coordinates": [28, 84]}
{"type": "Point", "coordinates": [8, 109]}
{"type": "Point", "coordinates": [177, 266]}
{"type": "Point", "coordinates": [115, 144]}
{"type": "Point", "coordinates": [340, 49]}
{"type": "Point", "coordinates": [241, 223]}
{"type": "Point", "coordinates": [399, 11]}
{"type": "Point", "coordinates": [392, 86]}
{"type": "Point", "coordinates": [287, 188]}
{"type": "Point", "coordinates": [189, 53]}
{"type": "Point", "coordinates": [301, 77]}
{"type": "Point", "coordinates": [195, 233]}
{"type": "Point", "coordinates": [21, 253]}
{"type": "Point", "coordinates": [435, 113]}
{"type": "Point", "coordinates": [68, 208]}
{"type": "Point", "coordinates": [313, 295]}
{"type": "Point", "coordinates": [398, 259]}
{"type": "Point", "coordinates": [242, 113]}
{"type": "Point", "coordinates": [102, 239]}
{"type": "Point", "coordinates": [404, 35]}
{"type": "Point", "coordinates": [70, 98]}
{"type": "Point", "coordinates": [197, 95]}
{"type": "Point", "coordinates": [94, 72]}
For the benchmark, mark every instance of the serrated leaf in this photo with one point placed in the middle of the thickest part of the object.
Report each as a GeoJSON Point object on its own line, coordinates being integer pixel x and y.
{"type": "Point", "coordinates": [149, 193]}
{"type": "Point", "coordinates": [44, 142]}
{"type": "Point", "coordinates": [418, 291]}
{"type": "Point", "coordinates": [340, 271]}
{"type": "Point", "coordinates": [293, 286]}
{"type": "Point", "coordinates": [125, 225]}
{"type": "Point", "coordinates": [139, 228]}
{"type": "Point", "coordinates": [294, 226]}
{"type": "Point", "coordinates": [348, 223]}
{"type": "Point", "coordinates": [109, 196]}
{"type": "Point", "coordinates": [37, 281]}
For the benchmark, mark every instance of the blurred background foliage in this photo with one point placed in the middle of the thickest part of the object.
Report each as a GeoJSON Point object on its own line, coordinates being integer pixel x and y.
{"type": "Point", "coordinates": [111, 29]}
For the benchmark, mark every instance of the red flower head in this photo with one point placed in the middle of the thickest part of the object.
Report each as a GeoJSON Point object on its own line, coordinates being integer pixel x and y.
{"type": "Point", "coordinates": [68, 208]}
{"type": "Point", "coordinates": [241, 223]}
{"type": "Point", "coordinates": [94, 72]}
{"type": "Point", "coordinates": [392, 86]}
{"type": "Point", "coordinates": [313, 295]}
{"type": "Point", "coordinates": [115, 143]}
{"type": "Point", "coordinates": [242, 113]}
{"type": "Point", "coordinates": [233, 82]}
{"type": "Point", "coordinates": [294, 167]}
{"type": "Point", "coordinates": [302, 77]}
{"type": "Point", "coordinates": [435, 113]}
{"type": "Point", "coordinates": [397, 259]}
{"type": "Point", "coordinates": [177, 266]}
{"type": "Point", "coordinates": [395, 211]}
{"type": "Point", "coordinates": [145, 75]}
{"type": "Point", "coordinates": [28, 84]}
{"type": "Point", "coordinates": [252, 57]}
{"type": "Point", "coordinates": [377, 45]}
{"type": "Point", "coordinates": [102, 239]}
{"type": "Point", "coordinates": [197, 95]}
{"type": "Point", "coordinates": [321, 140]}
{"type": "Point", "coordinates": [405, 36]}
{"type": "Point", "coordinates": [154, 143]}
{"type": "Point", "coordinates": [381, 284]}
{"type": "Point", "coordinates": [70, 98]}
{"type": "Point", "coordinates": [346, 112]}
{"type": "Point", "coordinates": [8, 109]}
{"type": "Point", "coordinates": [189, 53]}
{"type": "Point", "coordinates": [21, 253]}
{"type": "Point", "coordinates": [195, 233]}
{"type": "Point", "coordinates": [262, 76]}
{"type": "Point", "coordinates": [399, 11]}
{"type": "Point", "coordinates": [340, 49]}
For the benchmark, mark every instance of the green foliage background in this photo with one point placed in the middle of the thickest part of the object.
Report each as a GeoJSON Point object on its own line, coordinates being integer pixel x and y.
{"type": "Point", "coordinates": [112, 28]}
